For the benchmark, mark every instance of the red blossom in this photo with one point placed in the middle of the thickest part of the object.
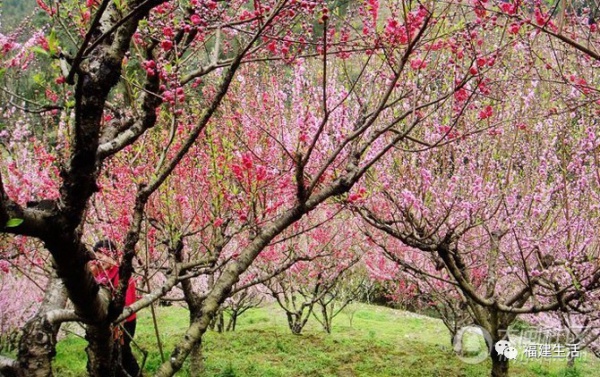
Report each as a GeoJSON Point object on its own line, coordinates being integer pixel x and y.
{"type": "Point", "coordinates": [168, 32]}
{"type": "Point", "coordinates": [45, 7]}
{"type": "Point", "coordinates": [247, 161]}
{"type": "Point", "coordinates": [166, 45]}
{"type": "Point", "coordinates": [508, 8]}
{"type": "Point", "coordinates": [486, 113]}
{"type": "Point", "coordinates": [373, 9]}
{"type": "Point", "coordinates": [461, 95]}
{"type": "Point", "coordinates": [261, 173]}
{"type": "Point", "coordinates": [8, 46]}
{"type": "Point", "coordinates": [417, 64]}
{"type": "Point", "coordinates": [43, 43]}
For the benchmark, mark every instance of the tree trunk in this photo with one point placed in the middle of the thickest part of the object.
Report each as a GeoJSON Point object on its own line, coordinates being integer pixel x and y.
{"type": "Point", "coordinates": [194, 303]}
{"type": "Point", "coordinates": [499, 365]}
{"type": "Point", "coordinates": [9, 367]}
{"type": "Point", "coordinates": [326, 319]}
{"type": "Point", "coordinates": [570, 362]}
{"type": "Point", "coordinates": [295, 322]}
{"type": "Point", "coordinates": [499, 362]}
{"type": "Point", "coordinates": [37, 346]}
{"type": "Point", "coordinates": [196, 354]}
{"type": "Point", "coordinates": [296, 328]}
{"type": "Point", "coordinates": [232, 320]}
{"type": "Point", "coordinates": [100, 351]}
{"type": "Point", "coordinates": [220, 322]}
{"type": "Point", "coordinates": [498, 331]}
{"type": "Point", "coordinates": [196, 361]}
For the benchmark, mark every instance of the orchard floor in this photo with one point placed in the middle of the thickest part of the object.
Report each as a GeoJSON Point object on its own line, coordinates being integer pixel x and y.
{"type": "Point", "coordinates": [378, 342]}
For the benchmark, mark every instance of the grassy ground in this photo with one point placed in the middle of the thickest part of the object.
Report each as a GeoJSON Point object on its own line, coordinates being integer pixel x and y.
{"type": "Point", "coordinates": [380, 342]}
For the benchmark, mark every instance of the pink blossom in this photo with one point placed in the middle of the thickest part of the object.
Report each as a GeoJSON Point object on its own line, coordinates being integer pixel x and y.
{"type": "Point", "coordinates": [195, 19]}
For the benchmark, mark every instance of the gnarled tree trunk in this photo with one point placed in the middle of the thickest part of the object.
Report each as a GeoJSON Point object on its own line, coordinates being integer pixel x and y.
{"type": "Point", "coordinates": [37, 346]}
{"type": "Point", "coordinates": [499, 330]}
{"type": "Point", "coordinates": [499, 365]}
{"type": "Point", "coordinates": [100, 353]}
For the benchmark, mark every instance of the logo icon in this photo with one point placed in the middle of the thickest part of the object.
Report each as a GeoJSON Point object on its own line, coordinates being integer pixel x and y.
{"type": "Point", "coordinates": [511, 353]}
{"type": "Point", "coordinates": [472, 344]}
{"type": "Point", "coordinates": [501, 345]}
{"type": "Point", "coordinates": [506, 349]}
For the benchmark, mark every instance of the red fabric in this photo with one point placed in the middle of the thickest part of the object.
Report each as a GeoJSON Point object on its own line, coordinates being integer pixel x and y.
{"type": "Point", "coordinates": [110, 278]}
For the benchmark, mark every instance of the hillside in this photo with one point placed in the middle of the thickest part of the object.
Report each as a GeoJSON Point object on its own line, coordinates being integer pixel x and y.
{"type": "Point", "coordinates": [380, 342]}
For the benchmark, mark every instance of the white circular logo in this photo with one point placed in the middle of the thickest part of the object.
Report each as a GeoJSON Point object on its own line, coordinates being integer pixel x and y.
{"type": "Point", "coordinates": [468, 346]}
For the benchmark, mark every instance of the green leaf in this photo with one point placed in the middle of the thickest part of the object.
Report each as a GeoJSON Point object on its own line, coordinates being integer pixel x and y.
{"type": "Point", "coordinates": [38, 78]}
{"type": "Point", "coordinates": [14, 222]}
{"type": "Point", "coordinates": [53, 43]}
{"type": "Point", "coordinates": [39, 50]}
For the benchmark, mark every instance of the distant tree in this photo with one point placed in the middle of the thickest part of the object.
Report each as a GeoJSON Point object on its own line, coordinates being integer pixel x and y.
{"type": "Point", "coordinates": [320, 260]}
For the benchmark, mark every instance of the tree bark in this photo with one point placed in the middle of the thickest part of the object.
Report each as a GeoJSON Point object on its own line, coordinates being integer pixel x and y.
{"type": "Point", "coordinates": [232, 320]}
{"type": "Point", "coordinates": [196, 361]}
{"type": "Point", "coordinates": [499, 365]}
{"type": "Point", "coordinates": [194, 303]}
{"type": "Point", "coordinates": [100, 351]}
{"type": "Point", "coordinates": [327, 317]}
{"type": "Point", "coordinates": [8, 367]}
{"type": "Point", "coordinates": [295, 323]}
{"type": "Point", "coordinates": [37, 346]}
{"type": "Point", "coordinates": [570, 362]}
{"type": "Point", "coordinates": [196, 354]}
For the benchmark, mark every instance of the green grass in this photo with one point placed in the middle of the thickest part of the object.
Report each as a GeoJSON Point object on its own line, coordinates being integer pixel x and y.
{"type": "Point", "coordinates": [381, 342]}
